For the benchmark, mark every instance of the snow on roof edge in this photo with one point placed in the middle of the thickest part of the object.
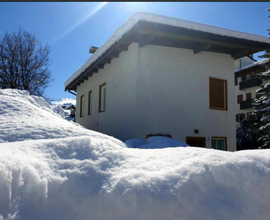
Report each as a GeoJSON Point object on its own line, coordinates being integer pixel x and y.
{"type": "Point", "coordinates": [259, 62]}
{"type": "Point", "coordinates": [161, 19]}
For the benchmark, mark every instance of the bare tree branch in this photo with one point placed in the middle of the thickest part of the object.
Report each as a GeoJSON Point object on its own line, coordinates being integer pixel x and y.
{"type": "Point", "coordinates": [24, 63]}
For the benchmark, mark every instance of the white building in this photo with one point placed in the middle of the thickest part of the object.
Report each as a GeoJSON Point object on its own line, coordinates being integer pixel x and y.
{"type": "Point", "coordinates": [159, 74]}
{"type": "Point", "coordinates": [246, 85]}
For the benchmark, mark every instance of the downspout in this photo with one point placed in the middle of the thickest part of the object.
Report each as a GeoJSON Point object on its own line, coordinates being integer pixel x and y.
{"type": "Point", "coordinates": [72, 93]}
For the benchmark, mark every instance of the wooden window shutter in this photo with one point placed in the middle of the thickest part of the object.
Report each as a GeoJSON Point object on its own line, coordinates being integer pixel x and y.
{"type": "Point", "coordinates": [218, 94]}
{"type": "Point", "coordinates": [102, 97]}
{"type": "Point", "coordinates": [239, 98]}
{"type": "Point", "coordinates": [82, 106]}
{"type": "Point", "coordinates": [90, 102]}
{"type": "Point", "coordinates": [248, 96]}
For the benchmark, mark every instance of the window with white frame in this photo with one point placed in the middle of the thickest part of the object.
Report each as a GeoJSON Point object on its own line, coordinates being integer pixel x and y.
{"type": "Point", "coordinates": [102, 97]}
{"type": "Point", "coordinates": [219, 143]}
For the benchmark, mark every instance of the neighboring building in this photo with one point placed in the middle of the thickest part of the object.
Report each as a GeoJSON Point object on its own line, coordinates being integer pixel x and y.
{"type": "Point", "coordinates": [159, 74]}
{"type": "Point", "coordinates": [69, 110]}
{"type": "Point", "coordinates": [246, 85]}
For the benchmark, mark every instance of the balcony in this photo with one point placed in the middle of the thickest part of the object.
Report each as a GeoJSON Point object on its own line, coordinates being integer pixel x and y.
{"type": "Point", "coordinates": [246, 104]}
{"type": "Point", "coordinates": [252, 122]}
{"type": "Point", "coordinates": [250, 83]}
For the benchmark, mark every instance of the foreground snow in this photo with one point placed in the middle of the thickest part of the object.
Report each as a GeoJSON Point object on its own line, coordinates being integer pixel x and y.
{"type": "Point", "coordinates": [54, 169]}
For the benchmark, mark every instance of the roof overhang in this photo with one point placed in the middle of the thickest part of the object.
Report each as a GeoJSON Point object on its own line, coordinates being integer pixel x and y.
{"type": "Point", "coordinates": [257, 67]}
{"type": "Point", "coordinates": [145, 32]}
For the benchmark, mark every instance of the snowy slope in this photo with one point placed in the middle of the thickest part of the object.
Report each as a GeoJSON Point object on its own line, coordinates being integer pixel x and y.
{"type": "Point", "coordinates": [47, 173]}
{"type": "Point", "coordinates": [25, 117]}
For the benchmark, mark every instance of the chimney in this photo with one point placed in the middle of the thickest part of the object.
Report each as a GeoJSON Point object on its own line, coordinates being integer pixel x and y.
{"type": "Point", "coordinates": [93, 49]}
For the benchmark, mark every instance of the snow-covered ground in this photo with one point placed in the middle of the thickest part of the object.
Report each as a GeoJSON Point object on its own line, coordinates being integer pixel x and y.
{"type": "Point", "coordinates": [53, 169]}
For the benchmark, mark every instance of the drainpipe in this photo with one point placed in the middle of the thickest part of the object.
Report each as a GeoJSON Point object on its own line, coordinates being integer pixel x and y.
{"type": "Point", "coordinates": [72, 93]}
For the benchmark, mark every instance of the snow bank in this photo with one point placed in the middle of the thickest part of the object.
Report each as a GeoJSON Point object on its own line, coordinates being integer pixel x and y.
{"type": "Point", "coordinates": [25, 117]}
{"type": "Point", "coordinates": [87, 175]}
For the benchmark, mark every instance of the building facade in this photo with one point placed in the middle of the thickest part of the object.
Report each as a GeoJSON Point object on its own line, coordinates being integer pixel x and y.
{"type": "Point", "coordinates": [162, 75]}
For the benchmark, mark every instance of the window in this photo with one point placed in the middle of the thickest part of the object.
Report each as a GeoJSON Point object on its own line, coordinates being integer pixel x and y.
{"type": "Point", "coordinates": [102, 97]}
{"type": "Point", "coordinates": [82, 106]}
{"type": "Point", "coordinates": [218, 94]}
{"type": "Point", "coordinates": [90, 102]}
{"type": "Point", "coordinates": [219, 143]}
{"type": "Point", "coordinates": [239, 79]}
{"type": "Point", "coordinates": [196, 141]}
{"type": "Point", "coordinates": [251, 116]}
{"type": "Point", "coordinates": [239, 98]}
{"type": "Point", "coordinates": [247, 76]}
{"type": "Point", "coordinates": [248, 96]}
{"type": "Point", "coordinates": [240, 117]}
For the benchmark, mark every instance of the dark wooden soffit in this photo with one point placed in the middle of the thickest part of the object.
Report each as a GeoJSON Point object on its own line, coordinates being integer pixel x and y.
{"type": "Point", "coordinates": [165, 35]}
{"type": "Point", "coordinates": [112, 52]}
{"type": "Point", "coordinates": [253, 69]}
{"type": "Point", "coordinates": [146, 33]}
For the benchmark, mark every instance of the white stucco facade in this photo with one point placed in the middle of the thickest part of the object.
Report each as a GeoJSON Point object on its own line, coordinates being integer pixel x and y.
{"type": "Point", "coordinates": [120, 76]}
{"type": "Point", "coordinates": [241, 62]}
{"type": "Point", "coordinates": [155, 89]}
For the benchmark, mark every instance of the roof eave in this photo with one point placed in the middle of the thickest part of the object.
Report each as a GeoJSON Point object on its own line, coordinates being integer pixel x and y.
{"type": "Point", "coordinates": [145, 32]}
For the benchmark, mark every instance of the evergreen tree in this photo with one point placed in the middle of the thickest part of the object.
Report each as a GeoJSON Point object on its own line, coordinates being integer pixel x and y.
{"type": "Point", "coordinates": [262, 103]}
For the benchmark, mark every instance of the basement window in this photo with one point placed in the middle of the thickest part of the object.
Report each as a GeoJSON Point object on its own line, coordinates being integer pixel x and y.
{"type": "Point", "coordinates": [219, 143]}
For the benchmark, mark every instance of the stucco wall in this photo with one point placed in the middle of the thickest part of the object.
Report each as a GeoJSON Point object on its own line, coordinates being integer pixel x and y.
{"type": "Point", "coordinates": [173, 94]}
{"type": "Point", "coordinates": [161, 90]}
{"type": "Point", "coordinates": [241, 62]}
{"type": "Point", "coordinates": [119, 118]}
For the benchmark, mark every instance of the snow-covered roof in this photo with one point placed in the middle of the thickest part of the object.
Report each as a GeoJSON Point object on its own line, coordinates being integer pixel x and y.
{"type": "Point", "coordinates": [164, 20]}
{"type": "Point", "coordinates": [258, 63]}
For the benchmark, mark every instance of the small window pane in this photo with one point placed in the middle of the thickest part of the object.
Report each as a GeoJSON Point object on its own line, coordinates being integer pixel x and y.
{"type": "Point", "coordinates": [219, 143]}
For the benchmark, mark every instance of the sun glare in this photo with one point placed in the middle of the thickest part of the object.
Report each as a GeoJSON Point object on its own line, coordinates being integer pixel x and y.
{"type": "Point", "coordinates": [134, 6]}
{"type": "Point", "coordinates": [93, 10]}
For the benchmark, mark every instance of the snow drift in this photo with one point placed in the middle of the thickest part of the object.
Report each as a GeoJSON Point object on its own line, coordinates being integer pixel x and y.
{"type": "Point", "coordinates": [54, 169]}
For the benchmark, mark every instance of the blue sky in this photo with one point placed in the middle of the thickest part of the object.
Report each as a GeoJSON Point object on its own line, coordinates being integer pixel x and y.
{"type": "Point", "coordinates": [70, 28]}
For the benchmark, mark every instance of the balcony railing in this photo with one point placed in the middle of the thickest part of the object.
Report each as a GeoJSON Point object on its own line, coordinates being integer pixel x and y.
{"type": "Point", "coordinates": [250, 83]}
{"type": "Point", "coordinates": [246, 104]}
{"type": "Point", "coordinates": [252, 122]}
